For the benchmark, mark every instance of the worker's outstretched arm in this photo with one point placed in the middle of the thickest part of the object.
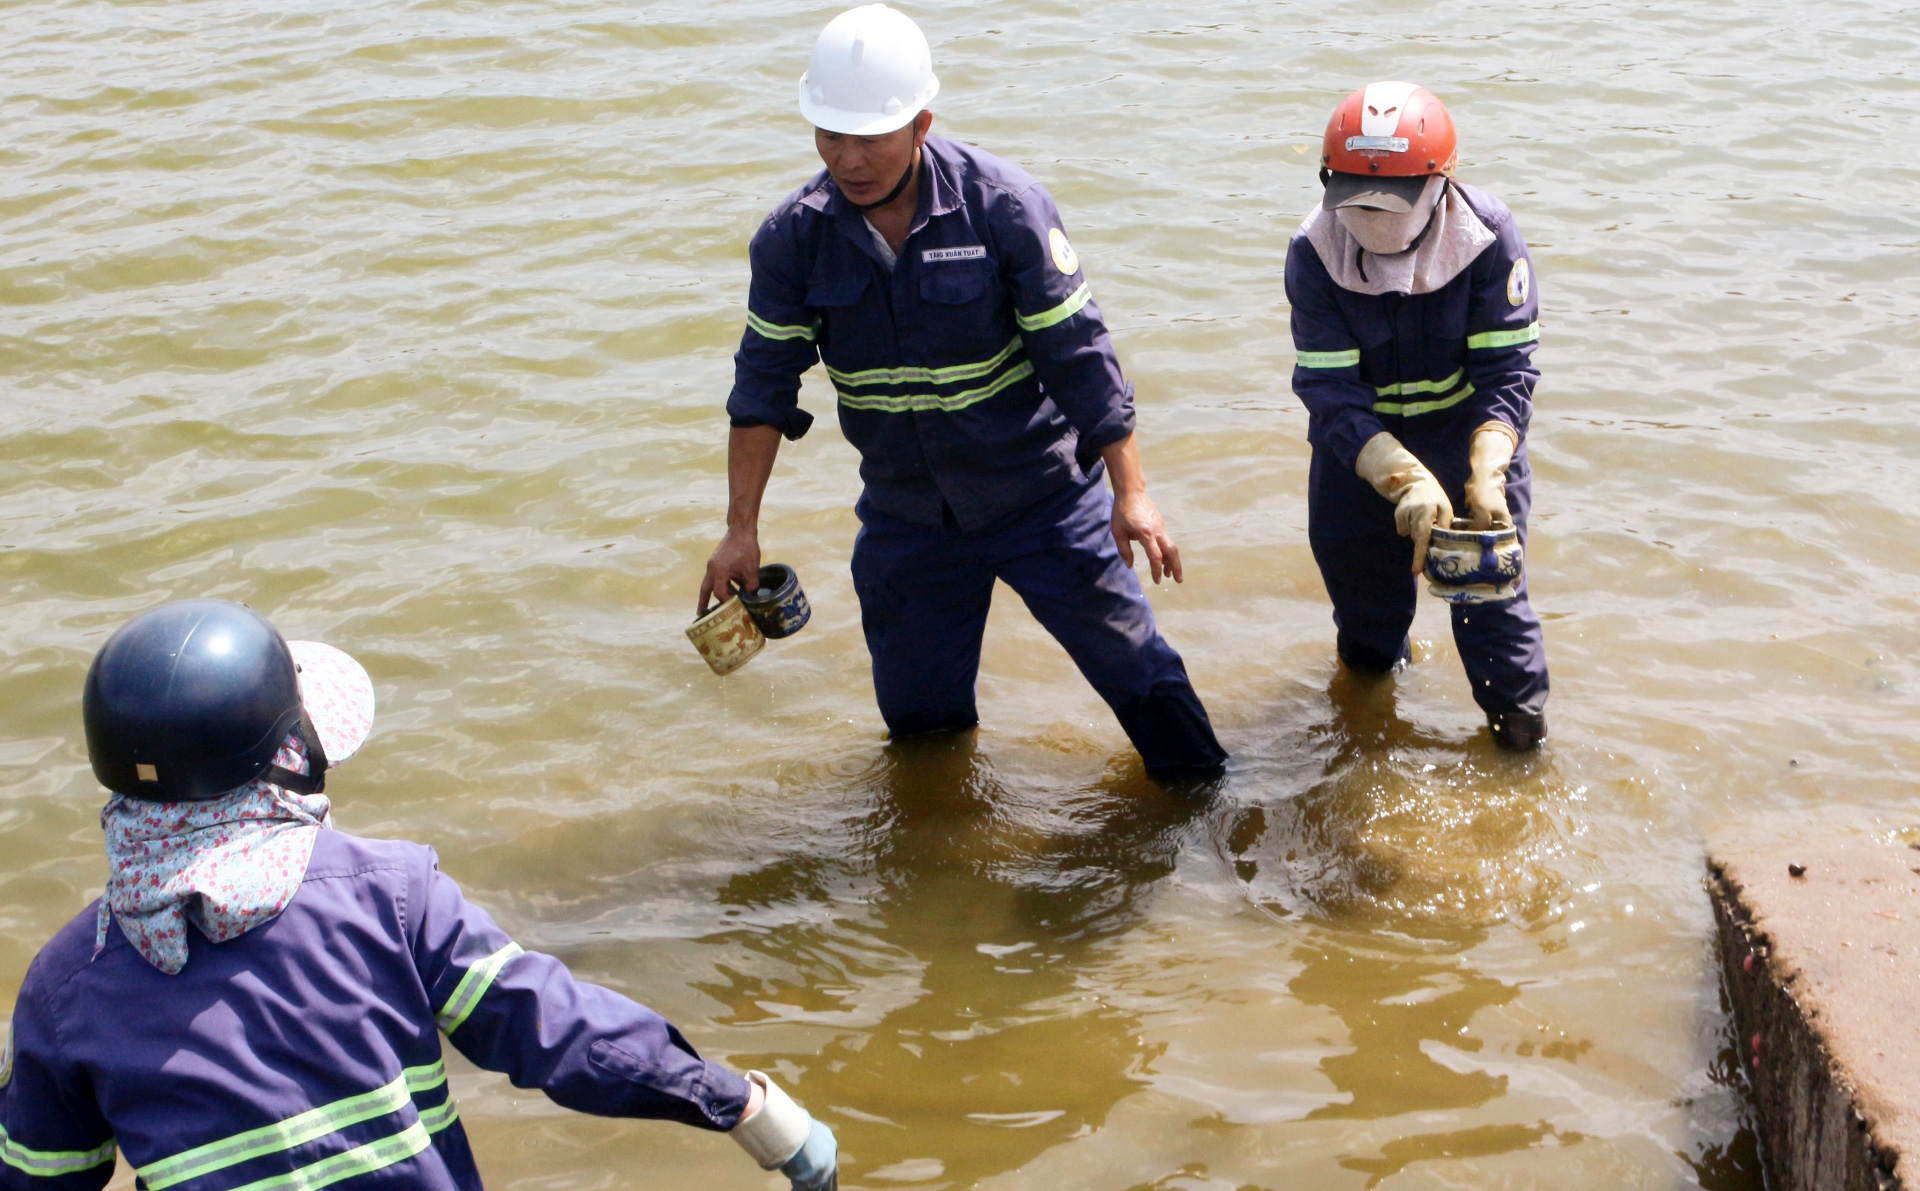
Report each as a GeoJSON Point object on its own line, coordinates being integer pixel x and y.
{"type": "Point", "coordinates": [736, 560]}
{"type": "Point", "coordinates": [589, 1048]}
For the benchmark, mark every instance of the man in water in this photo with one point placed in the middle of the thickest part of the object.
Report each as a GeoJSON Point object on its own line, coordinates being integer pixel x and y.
{"type": "Point", "coordinates": [976, 378]}
{"type": "Point", "coordinates": [1414, 322]}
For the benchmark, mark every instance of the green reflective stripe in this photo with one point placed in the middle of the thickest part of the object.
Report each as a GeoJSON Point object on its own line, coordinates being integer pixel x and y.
{"type": "Point", "coordinates": [1411, 408]}
{"type": "Point", "coordinates": [924, 376]}
{"type": "Point", "coordinates": [438, 1118]}
{"type": "Point", "coordinates": [1407, 387]}
{"type": "Point", "coordinates": [294, 1131]}
{"type": "Point", "coordinates": [51, 1163]}
{"type": "Point", "coordinates": [1060, 313]}
{"type": "Point", "coordinates": [926, 401]}
{"type": "Point", "coordinates": [774, 330]}
{"type": "Point", "coordinates": [375, 1155]}
{"type": "Point", "coordinates": [1526, 334]}
{"type": "Point", "coordinates": [1345, 359]}
{"type": "Point", "coordinates": [472, 986]}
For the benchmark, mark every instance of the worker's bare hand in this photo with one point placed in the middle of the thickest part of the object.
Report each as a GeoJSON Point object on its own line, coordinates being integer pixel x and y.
{"type": "Point", "coordinates": [735, 563]}
{"type": "Point", "coordinates": [1135, 519]}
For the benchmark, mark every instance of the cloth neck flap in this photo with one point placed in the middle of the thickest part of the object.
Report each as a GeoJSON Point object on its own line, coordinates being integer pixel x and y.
{"type": "Point", "coordinates": [226, 865]}
{"type": "Point", "coordinates": [1450, 243]}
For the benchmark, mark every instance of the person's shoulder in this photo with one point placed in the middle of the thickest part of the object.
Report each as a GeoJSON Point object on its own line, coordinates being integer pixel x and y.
{"type": "Point", "coordinates": [68, 952]}
{"type": "Point", "coordinates": [1488, 207]}
{"type": "Point", "coordinates": [338, 854]}
{"type": "Point", "coordinates": [801, 205]}
{"type": "Point", "coordinates": [978, 173]}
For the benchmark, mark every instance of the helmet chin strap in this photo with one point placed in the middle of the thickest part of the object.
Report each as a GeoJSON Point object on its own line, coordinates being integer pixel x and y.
{"type": "Point", "coordinates": [314, 780]}
{"type": "Point", "coordinates": [899, 186]}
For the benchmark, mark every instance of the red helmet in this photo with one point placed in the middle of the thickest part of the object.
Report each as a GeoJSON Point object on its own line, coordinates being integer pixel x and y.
{"type": "Point", "coordinates": [1390, 130]}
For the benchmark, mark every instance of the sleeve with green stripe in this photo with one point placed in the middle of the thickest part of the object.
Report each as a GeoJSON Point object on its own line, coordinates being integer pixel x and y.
{"type": "Point", "coordinates": [52, 1136]}
{"type": "Point", "coordinates": [781, 340]}
{"type": "Point", "coordinates": [1060, 325]}
{"type": "Point", "coordinates": [587, 1047]}
{"type": "Point", "coordinates": [1503, 325]}
{"type": "Point", "coordinates": [1326, 360]}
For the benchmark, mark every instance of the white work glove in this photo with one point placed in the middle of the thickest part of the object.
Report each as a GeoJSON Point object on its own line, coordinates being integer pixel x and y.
{"type": "Point", "coordinates": [1488, 457]}
{"type": "Point", "coordinates": [1419, 502]}
{"type": "Point", "coordinates": [782, 1136]}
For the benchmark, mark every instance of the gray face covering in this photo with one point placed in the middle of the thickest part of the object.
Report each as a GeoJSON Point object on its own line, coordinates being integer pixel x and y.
{"type": "Point", "coordinates": [1388, 233]}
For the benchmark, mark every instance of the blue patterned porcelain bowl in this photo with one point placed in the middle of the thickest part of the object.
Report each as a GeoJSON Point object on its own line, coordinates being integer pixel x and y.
{"type": "Point", "coordinates": [779, 607]}
{"type": "Point", "coordinates": [1474, 566]}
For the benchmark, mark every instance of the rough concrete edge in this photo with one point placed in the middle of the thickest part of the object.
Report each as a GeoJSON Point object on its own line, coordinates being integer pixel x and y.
{"type": "Point", "coordinates": [1812, 1135]}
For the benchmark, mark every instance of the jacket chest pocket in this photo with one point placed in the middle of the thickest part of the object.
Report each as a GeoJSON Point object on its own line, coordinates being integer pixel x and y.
{"type": "Point", "coordinates": [1445, 320]}
{"type": "Point", "coordinates": [845, 316]}
{"type": "Point", "coordinates": [836, 287]}
{"type": "Point", "coordinates": [1370, 318]}
{"type": "Point", "coordinates": [955, 283]}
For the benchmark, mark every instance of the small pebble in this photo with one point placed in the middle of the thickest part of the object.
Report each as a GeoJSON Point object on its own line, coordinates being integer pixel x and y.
{"type": "Point", "coordinates": [1796, 870]}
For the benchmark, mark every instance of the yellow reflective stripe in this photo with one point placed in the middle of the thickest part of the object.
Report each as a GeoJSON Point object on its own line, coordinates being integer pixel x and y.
{"type": "Point", "coordinates": [774, 331]}
{"type": "Point", "coordinates": [466, 995]}
{"type": "Point", "coordinates": [1060, 313]}
{"type": "Point", "coordinates": [1421, 386]}
{"type": "Point", "coordinates": [1412, 408]}
{"type": "Point", "coordinates": [375, 1155]}
{"type": "Point", "coordinates": [1526, 334]}
{"type": "Point", "coordinates": [928, 401]}
{"type": "Point", "coordinates": [51, 1163]}
{"type": "Point", "coordinates": [1345, 359]}
{"type": "Point", "coordinates": [294, 1131]}
{"type": "Point", "coordinates": [924, 376]}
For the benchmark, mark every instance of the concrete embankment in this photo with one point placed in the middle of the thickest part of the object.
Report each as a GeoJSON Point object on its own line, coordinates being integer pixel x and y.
{"type": "Point", "coordinates": [1820, 952]}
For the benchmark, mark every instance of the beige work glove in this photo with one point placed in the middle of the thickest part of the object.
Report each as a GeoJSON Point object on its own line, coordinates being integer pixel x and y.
{"type": "Point", "coordinates": [1419, 502]}
{"type": "Point", "coordinates": [1488, 457]}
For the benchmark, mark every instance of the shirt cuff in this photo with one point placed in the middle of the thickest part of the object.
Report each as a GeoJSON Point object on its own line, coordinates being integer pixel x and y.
{"type": "Point", "coordinates": [791, 421]}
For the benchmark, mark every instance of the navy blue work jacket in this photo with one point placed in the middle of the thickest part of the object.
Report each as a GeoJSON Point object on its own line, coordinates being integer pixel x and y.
{"type": "Point", "coordinates": [307, 1051]}
{"type": "Point", "coordinates": [1428, 368]}
{"type": "Point", "coordinates": [975, 376]}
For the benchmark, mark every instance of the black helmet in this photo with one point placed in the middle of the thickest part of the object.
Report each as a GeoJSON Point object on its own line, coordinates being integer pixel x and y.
{"type": "Point", "coordinates": [191, 700]}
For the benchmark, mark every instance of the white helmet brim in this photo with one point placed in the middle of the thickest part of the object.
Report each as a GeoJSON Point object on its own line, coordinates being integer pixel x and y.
{"type": "Point", "coordinates": [863, 123]}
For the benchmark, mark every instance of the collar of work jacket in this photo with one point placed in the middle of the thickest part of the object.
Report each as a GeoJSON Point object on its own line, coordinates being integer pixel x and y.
{"type": "Point", "coordinates": [938, 196]}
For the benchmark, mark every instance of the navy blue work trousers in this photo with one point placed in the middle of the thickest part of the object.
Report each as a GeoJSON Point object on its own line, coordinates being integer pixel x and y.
{"type": "Point", "coordinates": [924, 594]}
{"type": "Point", "coordinates": [1368, 569]}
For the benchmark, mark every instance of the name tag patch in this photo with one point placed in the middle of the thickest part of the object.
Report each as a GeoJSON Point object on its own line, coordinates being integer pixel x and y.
{"type": "Point", "coordinates": [972, 252]}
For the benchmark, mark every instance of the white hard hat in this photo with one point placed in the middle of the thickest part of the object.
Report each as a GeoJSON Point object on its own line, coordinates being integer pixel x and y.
{"type": "Point", "coordinates": [871, 73]}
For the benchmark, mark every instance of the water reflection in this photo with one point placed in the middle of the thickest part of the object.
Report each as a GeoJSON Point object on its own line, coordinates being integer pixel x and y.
{"type": "Point", "coordinates": [1395, 996]}
{"type": "Point", "coordinates": [959, 912]}
{"type": "Point", "coordinates": [1406, 847]}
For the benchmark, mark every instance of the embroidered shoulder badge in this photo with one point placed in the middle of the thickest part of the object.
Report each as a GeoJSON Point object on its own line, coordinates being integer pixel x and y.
{"type": "Point", "coordinates": [6, 1058]}
{"type": "Point", "coordinates": [1519, 283]}
{"type": "Point", "coordinates": [1064, 258]}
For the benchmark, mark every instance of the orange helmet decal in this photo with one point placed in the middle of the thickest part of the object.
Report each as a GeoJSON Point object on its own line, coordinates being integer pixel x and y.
{"type": "Point", "coordinates": [1394, 130]}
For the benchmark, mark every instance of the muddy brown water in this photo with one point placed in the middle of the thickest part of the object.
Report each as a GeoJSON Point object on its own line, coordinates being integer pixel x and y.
{"type": "Point", "coordinates": [409, 325]}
